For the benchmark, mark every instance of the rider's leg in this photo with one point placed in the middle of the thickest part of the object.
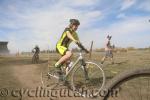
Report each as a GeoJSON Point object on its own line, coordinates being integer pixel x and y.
{"type": "Point", "coordinates": [66, 54]}
{"type": "Point", "coordinates": [112, 60]}
{"type": "Point", "coordinates": [36, 57]}
{"type": "Point", "coordinates": [63, 59]}
{"type": "Point", "coordinates": [105, 56]}
{"type": "Point", "coordinates": [111, 57]}
{"type": "Point", "coordinates": [103, 59]}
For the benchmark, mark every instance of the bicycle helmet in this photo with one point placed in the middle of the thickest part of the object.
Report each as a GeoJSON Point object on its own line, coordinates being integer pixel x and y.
{"type": "Point", "coordinates": [74, 22]}
{"type": "Point", "coordinates": [109, 37]}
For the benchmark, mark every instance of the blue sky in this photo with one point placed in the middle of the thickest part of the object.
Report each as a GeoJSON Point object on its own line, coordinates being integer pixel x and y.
{"type": "Point", "coordinates": [25, 23]}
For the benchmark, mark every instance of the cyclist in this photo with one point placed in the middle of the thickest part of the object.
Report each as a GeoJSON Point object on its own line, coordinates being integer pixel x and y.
{"type": "Point", "coordinates": [36, 51]}
{"type": "Point", "coordinates": [62, 45]}
{"type": "Point", "coordinates": [108, 50]}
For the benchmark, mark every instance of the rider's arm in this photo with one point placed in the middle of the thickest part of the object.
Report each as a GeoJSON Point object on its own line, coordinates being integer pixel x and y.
{"type": "Point", "coordinates": [33, 50]}
{"type": "Point", "coordinates": [75, 35]}
{"type": "Point", "coordinates": [70, 36]}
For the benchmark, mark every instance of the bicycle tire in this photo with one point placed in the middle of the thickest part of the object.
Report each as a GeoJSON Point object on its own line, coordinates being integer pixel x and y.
{"type": "Point", "coordinates": [123, 78]}
{"type": "Point", "coordinates": [35, 59]}
{"type": "Point", "coordinates": [96, 80]}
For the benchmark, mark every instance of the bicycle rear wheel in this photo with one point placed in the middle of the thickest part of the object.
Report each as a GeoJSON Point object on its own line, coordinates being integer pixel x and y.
{"type": "Point", "coordinates": [95, 82]}
{"type": "Point", "coordinates": [49, 78]}
{"type": "Point", "coordinates": [130, 85]}
{"type": "Point", "coordinates": [37, 59]}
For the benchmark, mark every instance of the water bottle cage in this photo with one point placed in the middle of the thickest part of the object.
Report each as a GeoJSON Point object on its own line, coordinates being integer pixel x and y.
{"type": "Point", "coordinates": [70, 64]}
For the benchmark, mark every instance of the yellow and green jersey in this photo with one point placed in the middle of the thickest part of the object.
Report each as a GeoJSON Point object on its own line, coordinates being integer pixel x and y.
{"type": "Point", "coordinates": [64, 40]}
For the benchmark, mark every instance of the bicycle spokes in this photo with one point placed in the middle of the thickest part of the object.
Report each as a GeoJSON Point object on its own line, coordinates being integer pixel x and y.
{"type": "Point", "coordinates": [90, 77]}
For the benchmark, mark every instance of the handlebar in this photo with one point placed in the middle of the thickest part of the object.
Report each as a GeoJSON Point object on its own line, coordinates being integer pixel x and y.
{"type": "Point", "coordinates": [82, 47]}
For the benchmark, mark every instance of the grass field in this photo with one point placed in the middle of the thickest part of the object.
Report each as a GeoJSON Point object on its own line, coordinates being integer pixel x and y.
{"type": "Point", "coordinates": [18, 74]}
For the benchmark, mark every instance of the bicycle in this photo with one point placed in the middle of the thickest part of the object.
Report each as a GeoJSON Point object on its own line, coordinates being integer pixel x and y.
{"type": "Point", "coordinates": [35, 58]}
{"type": "Point", "coordinates": [84, 75]}
{"type": "Point", "coordinates": [129, 85]}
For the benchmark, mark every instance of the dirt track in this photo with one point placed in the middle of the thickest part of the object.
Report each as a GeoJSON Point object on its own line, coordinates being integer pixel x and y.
{"type": "Point", "coordinates": [22, 80]}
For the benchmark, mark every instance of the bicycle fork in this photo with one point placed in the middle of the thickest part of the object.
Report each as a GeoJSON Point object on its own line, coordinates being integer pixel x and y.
{"type": "Point", "coordinates": [83, 65]}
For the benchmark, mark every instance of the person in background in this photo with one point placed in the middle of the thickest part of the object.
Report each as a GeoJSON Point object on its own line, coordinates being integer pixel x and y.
{"type": "Point", "coordinates": [108, 50]}
{"type": "Point", "coordinates": [36, 51]}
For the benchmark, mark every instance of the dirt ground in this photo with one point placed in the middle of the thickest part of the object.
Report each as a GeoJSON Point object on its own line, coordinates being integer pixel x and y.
{"type": "Point", "coordinates": [20, 79]}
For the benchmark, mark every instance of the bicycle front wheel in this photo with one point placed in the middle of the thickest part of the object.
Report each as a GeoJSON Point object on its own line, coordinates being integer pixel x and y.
{"type": "Point", "coordinates": [130, 85]}
{"type": "Point", "coordinates": [89, 83]}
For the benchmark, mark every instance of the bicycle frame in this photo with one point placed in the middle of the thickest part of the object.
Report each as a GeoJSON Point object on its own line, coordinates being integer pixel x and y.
{"type": "Point", "coordinates": [79, 67]}
{"type": "Point", "coordinates": [80, 58]}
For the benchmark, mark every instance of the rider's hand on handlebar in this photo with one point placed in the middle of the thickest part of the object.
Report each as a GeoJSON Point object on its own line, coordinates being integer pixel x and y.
{"type": "Point", "coordinates": [77, 42]}
{"type": "Point", "coordinates": [86, 51]}
{"type": "Point", "coordinates": [82, 47]}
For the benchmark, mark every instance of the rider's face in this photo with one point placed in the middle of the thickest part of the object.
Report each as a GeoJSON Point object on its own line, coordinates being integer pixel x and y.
{"type": "Point", "coordinates": [75, 27]}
